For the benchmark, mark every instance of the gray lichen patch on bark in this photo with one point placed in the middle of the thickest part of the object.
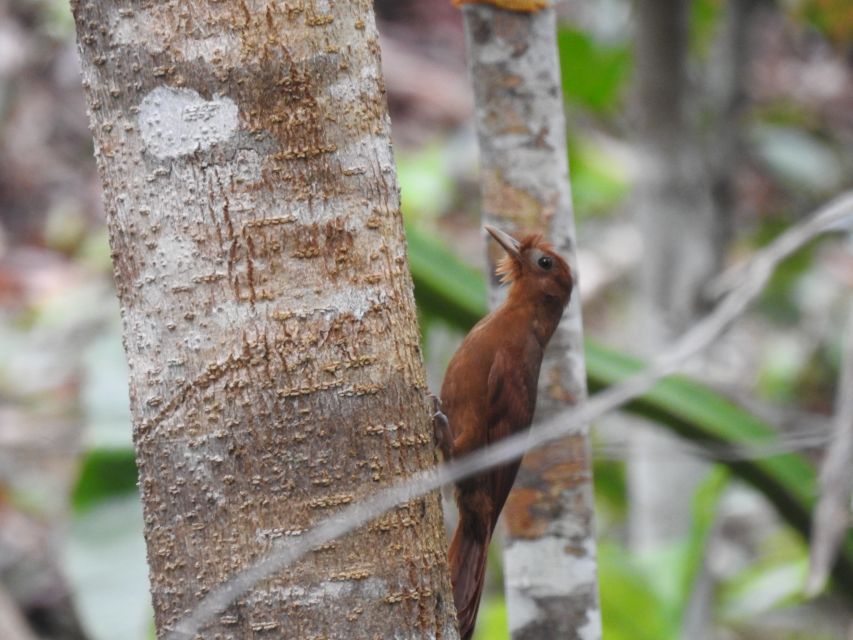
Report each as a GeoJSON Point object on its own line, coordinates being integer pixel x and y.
{"type": "Point", "coordinates": [268, 312]}
{"type": "Point", "coordinates": [525, 186]}
{"type": "Point", "coordinates": [175, 122]}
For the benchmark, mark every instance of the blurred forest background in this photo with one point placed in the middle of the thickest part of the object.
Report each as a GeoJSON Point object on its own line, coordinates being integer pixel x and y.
{"type": "Point", "coordinates": [72, 563]}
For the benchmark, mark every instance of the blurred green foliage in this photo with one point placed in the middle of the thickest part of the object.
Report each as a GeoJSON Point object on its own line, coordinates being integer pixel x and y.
{"type": "Point", "coordinates": [834, 18]}
{"type": "Point", "coordinates": [426, 186]}
{"type": "Point", "coordinates": [642, 597]}
{"type": "Point", "coordinates": [599, 180]}
{"type": "Point", "coordinates": [104, 474]}
{"type": "Point", "coordinates": [654, 589]}
{"type": "Point", "coordinates": [492, 621]}
{"type": "Point", "coordinates": [593, 73]}
{"type": "Point", "coordinates": [704, 22]}
{"type": "Point", "coordinates": [792, 368]}
{"type": "Point", "coordinates": [611, 491]}
{"type": "Point", "coordinates": [770, 581]}
{"type": "Point", "coordinates": [445, 287]}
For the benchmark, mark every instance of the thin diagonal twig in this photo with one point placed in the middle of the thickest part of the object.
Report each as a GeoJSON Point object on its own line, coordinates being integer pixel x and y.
{"type": "Point", "coordinates": [833, 513]}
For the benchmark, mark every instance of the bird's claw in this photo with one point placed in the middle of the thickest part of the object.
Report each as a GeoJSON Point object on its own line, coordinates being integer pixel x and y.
{"type": "Point", "coordinates": [441, 428]}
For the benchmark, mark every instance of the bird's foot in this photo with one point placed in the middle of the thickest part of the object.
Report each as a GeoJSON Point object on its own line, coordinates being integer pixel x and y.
{"type": "Point", "coordinates": [441, 428]}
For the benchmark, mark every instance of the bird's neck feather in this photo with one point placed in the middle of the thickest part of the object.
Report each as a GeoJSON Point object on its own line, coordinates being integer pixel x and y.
{"type": "Point", "coordinates": [540, 313]}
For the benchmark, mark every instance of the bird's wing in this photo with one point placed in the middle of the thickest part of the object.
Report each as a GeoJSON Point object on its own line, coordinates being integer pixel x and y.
{"type": "Point", "coordinates": [509, 412]}
{"type": "Point", "coordinates": [509, 407]}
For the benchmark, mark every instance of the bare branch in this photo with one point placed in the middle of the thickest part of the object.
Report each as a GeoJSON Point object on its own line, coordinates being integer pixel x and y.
{"type": "Point", "coordinates": [832, 515]}
{"type": "Point", "coordinates": [803, 440]}
{"type": "Point", "coordinates": [834, 216]}
{"type": "Point", "coordinates": [752, 278]}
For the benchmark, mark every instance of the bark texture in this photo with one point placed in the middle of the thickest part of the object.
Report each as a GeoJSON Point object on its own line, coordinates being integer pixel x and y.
{"type": "Point", "coordinates": [550, 555]}
{"type": "Point", "coordinates": [268, 312]}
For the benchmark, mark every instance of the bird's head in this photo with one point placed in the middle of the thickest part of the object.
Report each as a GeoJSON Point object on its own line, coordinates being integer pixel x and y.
{"type": "Point", "coordinates": [532, 266]}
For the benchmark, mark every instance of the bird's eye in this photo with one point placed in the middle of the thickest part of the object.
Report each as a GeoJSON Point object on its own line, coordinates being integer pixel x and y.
{"type": "Point", "coordinates": [546, 262]}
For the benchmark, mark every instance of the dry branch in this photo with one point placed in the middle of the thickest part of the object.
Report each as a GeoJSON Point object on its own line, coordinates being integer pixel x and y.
{"type": "Point", "coordinates": [833, 513]}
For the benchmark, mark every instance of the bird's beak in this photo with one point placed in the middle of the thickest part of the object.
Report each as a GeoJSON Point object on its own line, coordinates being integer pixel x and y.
{"type": "Point", "coordinates": [510, 244]}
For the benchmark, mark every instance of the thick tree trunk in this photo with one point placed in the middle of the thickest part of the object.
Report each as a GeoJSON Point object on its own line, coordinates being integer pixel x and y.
{"type": "Point", "coordinates": [268, 312]}
{"type": "Point", "coordinates": [550, 554]}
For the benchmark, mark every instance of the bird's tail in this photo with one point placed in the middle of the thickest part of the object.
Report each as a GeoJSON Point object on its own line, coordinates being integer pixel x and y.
{"type": "Point", "coordinates": [467, 558]}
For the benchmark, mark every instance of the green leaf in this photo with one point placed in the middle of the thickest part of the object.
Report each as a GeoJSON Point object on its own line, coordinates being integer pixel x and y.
{"type": "Point", "coordinates": [611, 490]}
{"type": "Point", "coordinates": [760, 592]}
{"type": "Point", "coordinates": [702, 415]}
{"type": "Point", "coordinates": [445, 287]}
{"type": "Point", "coordinates": [593, 73]}
{"type": "Point", "coordinates": [492, 621]}
{"type": "Point", "coordinates": [704, 23]}
{"type": "Point", "coordinates": [699, 414]}
{"type": "Point", "coordinates": [104, 473]}
{"type": "Point", "coordinates": [599, 180]}
{"type": "Point", "coordinates": [671, 569]}
{"type": "Point", "coordinates": [771, 581]}
{"type": "Point", "coordinates": [704, 511]}
{"type": "Point", "coordinates": [630, 606]}
{"type": "Point", "coordinates": [426, 187]}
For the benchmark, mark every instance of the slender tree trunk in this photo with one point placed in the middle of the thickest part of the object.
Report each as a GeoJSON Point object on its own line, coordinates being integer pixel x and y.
{"type": "Point", "coordinates": [269, 322]}
{"type": "Point", "coordinates": [550, 554]}
{"type": "Point", "coordinates": [683, 243]}
{"type": "Point", "coordinates": [727, 99]}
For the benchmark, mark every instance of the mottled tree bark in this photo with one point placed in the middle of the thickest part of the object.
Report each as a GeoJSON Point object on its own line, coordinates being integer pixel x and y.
{"type": "Point", "coordinates": [550, 555]}
{"type": "Point", "coordinates": [268, 314]}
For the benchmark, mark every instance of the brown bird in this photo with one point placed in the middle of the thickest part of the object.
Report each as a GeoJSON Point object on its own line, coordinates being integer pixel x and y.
{"type": "Point", "coordinates": [489, 393]}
